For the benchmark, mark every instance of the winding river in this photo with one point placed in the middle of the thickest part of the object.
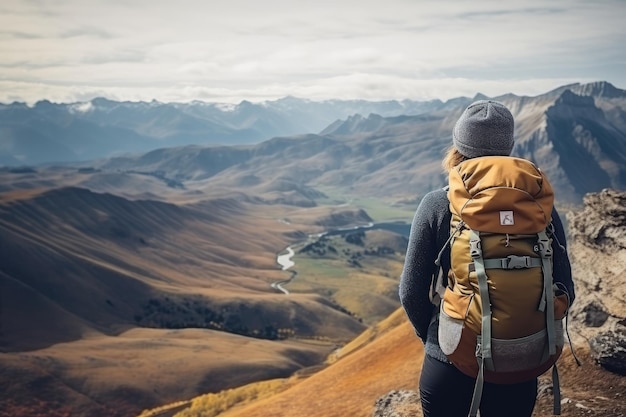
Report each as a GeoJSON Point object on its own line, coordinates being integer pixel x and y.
{"type": "Point", "coordinates": [285, 262]}
{"type": "Point", "coordinates": [284, 259]}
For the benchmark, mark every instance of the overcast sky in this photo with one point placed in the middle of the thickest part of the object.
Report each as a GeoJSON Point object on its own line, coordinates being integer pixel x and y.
{"type": "Point", "coordinates": [233, 50]}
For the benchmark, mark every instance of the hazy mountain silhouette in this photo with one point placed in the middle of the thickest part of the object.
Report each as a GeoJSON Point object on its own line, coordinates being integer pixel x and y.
{"type": "Point", "coordinates": [399, 157]}
{"type": "Point", "coordinates": [51, 132]}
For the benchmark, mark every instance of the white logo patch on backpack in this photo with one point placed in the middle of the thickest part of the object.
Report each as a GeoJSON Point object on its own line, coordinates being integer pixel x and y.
{"type": "Point", "coordinates": [506, 218]}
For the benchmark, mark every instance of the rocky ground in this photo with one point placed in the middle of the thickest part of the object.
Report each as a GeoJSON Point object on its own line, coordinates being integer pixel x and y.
{"type": "Point", "coordinates": [597, 321]}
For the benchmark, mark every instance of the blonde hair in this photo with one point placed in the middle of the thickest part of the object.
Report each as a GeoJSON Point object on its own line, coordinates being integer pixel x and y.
{"type": "Point", "coordinates": [452, 158]}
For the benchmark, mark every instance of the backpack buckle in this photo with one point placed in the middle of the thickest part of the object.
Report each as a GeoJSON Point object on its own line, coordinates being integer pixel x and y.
{"type": "Point", "coordinates": [475, 249]}
{"type": "Point", "coordinates": [544, 248]}
{"type": "Point", "coordinates": [516, 262]}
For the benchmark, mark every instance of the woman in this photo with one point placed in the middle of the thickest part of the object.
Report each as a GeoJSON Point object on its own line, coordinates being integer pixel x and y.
{"type": "Point", "coordinates": [485, 128]}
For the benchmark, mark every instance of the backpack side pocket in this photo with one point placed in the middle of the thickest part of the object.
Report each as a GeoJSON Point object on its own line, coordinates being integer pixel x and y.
{"type": "Point", "coordinates": [454, 308]}
{"type": "Point", "coordinates": [561, 301]}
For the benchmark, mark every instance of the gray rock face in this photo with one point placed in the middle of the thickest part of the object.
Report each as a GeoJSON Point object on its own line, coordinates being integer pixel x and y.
{"type": "Point", "coordinates": [602, 222]}
{"type": "Point", "coordinates": [598, 253]}
{"type": "Point", "coordinates": [595, 315]}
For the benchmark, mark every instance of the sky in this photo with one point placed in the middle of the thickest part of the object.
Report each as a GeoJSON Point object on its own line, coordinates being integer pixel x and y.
{"type": "Point", "coordinates": [227, 51]}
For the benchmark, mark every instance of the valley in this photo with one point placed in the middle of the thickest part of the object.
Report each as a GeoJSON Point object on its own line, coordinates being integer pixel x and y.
{"type": "Point", "coordinates": [148, 286]}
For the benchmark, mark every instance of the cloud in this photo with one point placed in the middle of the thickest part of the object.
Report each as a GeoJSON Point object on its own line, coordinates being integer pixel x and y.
{"type": "Point", "coordinates": [87, 32]}
{"type": "Point", "coordinates": [244, 49]}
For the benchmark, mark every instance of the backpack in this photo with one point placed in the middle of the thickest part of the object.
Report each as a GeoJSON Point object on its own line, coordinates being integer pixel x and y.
{"type": "Point", "coordinates": [499, 318]}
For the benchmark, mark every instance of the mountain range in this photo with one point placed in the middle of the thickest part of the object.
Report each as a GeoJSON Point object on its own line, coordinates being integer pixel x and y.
{"type": "Point", "coordinates": [574, 126]}
{"type": "Point", "coordinates": [130, 281]}
{"type": "Point", "coordinates": [51, 133]}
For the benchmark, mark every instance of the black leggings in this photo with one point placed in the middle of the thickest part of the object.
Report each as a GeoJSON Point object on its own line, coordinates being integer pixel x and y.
{"type": "Point", "coordinates": [447, 392]}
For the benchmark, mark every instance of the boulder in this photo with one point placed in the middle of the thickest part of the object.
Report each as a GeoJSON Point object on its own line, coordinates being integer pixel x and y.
{"type": "Point", "coordinates": [398, 404]}
{"type": "Point", "coordinates": [609, 350]}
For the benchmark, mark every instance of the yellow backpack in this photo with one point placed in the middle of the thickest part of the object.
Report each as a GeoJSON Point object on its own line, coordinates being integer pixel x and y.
{"type": "Point", "coordinates": [499, 318]}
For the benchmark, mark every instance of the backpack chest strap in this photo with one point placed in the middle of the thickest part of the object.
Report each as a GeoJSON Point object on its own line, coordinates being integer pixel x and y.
{"type": "Point", "coordinates": [510, 262]}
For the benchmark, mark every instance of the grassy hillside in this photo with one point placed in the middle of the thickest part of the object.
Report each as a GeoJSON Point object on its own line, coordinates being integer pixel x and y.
{"type": "Point", "coordinates": [383, 358]}
{"type": "Point", "coordinates": [358, 270]}
{"type": "Point", "coordinates": [105, 263]}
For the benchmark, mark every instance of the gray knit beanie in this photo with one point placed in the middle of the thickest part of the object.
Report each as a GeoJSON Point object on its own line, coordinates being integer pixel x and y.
{"type": "Point", "coordinates": [484, 128]}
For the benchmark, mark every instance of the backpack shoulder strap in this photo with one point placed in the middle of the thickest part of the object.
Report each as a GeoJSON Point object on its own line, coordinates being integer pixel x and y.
{"type": "Point", "coordinates": [438, 281]}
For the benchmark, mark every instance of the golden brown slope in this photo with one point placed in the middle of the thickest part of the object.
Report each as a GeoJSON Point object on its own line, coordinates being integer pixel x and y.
{"type": "Point", "coordinates": [119, 376]}
{"type": "Point", "coordinates": [388, 357]}
{"type": "Point", "coordinates": [350, 386]}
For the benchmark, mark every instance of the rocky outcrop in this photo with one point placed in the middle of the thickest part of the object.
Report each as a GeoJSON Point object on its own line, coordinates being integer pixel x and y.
{"type": "Point", "coordinates": [398, 404]}
{"type": "Point", "coordinates": [597, 249]}
{"type": "Point", "coordinates": [602, 221]}
{"type": "Point", "coordinates": [609, 349]}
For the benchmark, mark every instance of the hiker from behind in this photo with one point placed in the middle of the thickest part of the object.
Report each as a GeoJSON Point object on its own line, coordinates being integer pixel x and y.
{"type": "Point", "coordinates": [486, 266]}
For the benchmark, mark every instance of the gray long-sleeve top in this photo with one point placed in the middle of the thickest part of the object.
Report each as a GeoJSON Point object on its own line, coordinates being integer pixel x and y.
{"type": "Point", "coordinates": [429, 232]}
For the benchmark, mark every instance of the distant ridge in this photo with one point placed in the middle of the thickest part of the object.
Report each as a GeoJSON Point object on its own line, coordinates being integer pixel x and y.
{"type": "Point", "coordinates": [598, 89]}
{"type": "Point", "coordinates": [100, 128]}
{"type": "Point", "coordinates": [398, 157]}
{"type": "Point", "coordinates": [69, 132]}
